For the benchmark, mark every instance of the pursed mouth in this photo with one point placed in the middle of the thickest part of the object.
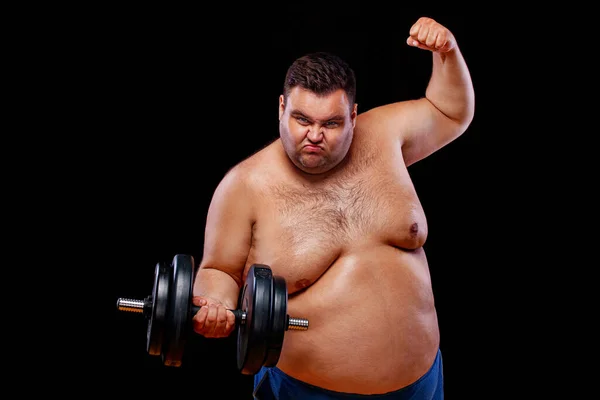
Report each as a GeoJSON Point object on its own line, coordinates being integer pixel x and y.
{"type": "Point", "coordinates": [312, 148]}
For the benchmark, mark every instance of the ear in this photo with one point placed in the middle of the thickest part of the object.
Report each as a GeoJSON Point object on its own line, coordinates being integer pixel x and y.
{"type": "Point", "coordinates": [354, 115]}
{"type": "Point", "coordinates": [281, 106]}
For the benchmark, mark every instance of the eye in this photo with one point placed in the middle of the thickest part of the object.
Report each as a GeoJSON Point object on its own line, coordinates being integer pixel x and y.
{"type": "Point", "coordinates": [331, 124]}
{"type": "Point", "coordinates": [302, 120]}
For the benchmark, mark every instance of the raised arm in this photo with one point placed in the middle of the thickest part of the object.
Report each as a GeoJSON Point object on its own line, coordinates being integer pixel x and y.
{"type": "Point", "coordinates": [227, 242]}
{"type": "Point", "coordinates": [427, 124]}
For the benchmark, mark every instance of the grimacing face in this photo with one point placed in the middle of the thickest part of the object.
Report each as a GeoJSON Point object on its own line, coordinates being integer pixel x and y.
{"type": "Point", "coordinates": [316, 131]}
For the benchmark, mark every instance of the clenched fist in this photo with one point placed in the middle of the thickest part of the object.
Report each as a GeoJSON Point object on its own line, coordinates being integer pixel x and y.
{"type": "Point", "coordinates": [213, 320]}
{"type": "Point", "coordinates": [427, 34]}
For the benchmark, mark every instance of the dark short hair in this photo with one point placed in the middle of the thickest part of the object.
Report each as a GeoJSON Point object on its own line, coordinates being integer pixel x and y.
{"type": "Point", "coordinates": [322, 73]}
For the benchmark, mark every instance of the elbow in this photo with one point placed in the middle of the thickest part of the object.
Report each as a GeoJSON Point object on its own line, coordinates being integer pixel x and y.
{"type": "Point", "coordinates": [216, 271]}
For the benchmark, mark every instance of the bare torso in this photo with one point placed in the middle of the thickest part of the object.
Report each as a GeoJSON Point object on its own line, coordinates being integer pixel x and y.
{"type": "Point", "coordinates": [350, 249]}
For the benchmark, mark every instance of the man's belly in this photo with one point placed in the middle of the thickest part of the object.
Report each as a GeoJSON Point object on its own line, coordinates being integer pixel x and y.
{"type": "Point", "coordinates": [373, 326]}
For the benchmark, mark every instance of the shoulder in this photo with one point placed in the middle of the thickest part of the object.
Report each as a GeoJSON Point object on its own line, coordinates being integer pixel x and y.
{"type": "Point", "coordinates": [394, 121]}
{"type": "Point", "coordinates": [382, 115]}
{"type": "Point", "coordinates": [250, 173]}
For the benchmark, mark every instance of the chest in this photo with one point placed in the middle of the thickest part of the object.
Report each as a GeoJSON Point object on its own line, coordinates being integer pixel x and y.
{"type": "Point", "coordinates": [302, 230]}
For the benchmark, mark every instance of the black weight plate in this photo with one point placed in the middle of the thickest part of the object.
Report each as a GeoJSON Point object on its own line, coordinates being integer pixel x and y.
{"type": "Point", "coordinates": [158, 315]}
{"type": "Point", "coordinates": [255, 301]}
{"type": "Point", "coordinates": [278, 321]}
{"type": "Point", "coordinates": [180, 304]}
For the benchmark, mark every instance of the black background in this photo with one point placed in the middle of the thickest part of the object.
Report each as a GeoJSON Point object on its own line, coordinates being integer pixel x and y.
{"type": "Point", "coordinates": [179, 96]}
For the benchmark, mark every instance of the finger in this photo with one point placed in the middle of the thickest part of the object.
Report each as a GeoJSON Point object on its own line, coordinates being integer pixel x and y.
{"type": "Point", "coordinates": [230, 322]}
{"type": "Point", "coordinates": [209, 320]}
{"type": "Point", "coordinates": [199, 301]}
{"type": "Point", "coordinates": [448, 42]}
{"type": "Point", "coordinates": [414, 43]}
{"type": "Point", "coordinates": [221, 322]}
{"type": "Point", "coordinates": [440, 41]}
{"type": "Point", "coordinates": [431, 38]}
{"type": "Point", "coordinates": [199, 320]}
{"type": "Point", "coordinates": [423, 32]}
{"type": "Point", "coordinates": [414, 30]}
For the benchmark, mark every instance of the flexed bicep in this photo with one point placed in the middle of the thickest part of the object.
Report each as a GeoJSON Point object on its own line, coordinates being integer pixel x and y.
{"type": "Point", "coordinates": [416, 125]}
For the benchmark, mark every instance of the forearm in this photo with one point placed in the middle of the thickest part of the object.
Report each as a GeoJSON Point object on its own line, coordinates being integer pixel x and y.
{"type": "Point", "coordinates": [450, 88]}
{"type": "Point", "coordinates": [217, 285]}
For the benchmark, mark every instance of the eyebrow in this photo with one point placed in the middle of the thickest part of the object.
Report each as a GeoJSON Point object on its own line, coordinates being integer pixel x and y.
{"type": "Point", "coordinates": [335, 117]}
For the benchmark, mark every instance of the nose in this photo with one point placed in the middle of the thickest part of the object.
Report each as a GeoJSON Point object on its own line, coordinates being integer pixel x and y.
{"type": "Point", "coordinates": [315, 134]}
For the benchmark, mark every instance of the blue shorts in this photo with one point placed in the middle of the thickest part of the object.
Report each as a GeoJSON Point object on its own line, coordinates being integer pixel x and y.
{"type": "Point", "coordinates": [272, 383]}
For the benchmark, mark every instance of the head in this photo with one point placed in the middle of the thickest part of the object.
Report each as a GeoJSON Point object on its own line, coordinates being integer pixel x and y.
{"type": "Point", "coordinates": [317, 111]}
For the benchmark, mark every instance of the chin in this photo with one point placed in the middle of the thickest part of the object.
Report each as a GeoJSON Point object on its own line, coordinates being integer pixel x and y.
{"type": "Point", "coordinates": [315, 170]}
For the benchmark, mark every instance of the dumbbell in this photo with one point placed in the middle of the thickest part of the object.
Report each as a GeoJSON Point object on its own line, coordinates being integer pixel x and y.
{"type": "Point", "coordinates": [261, 316]}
